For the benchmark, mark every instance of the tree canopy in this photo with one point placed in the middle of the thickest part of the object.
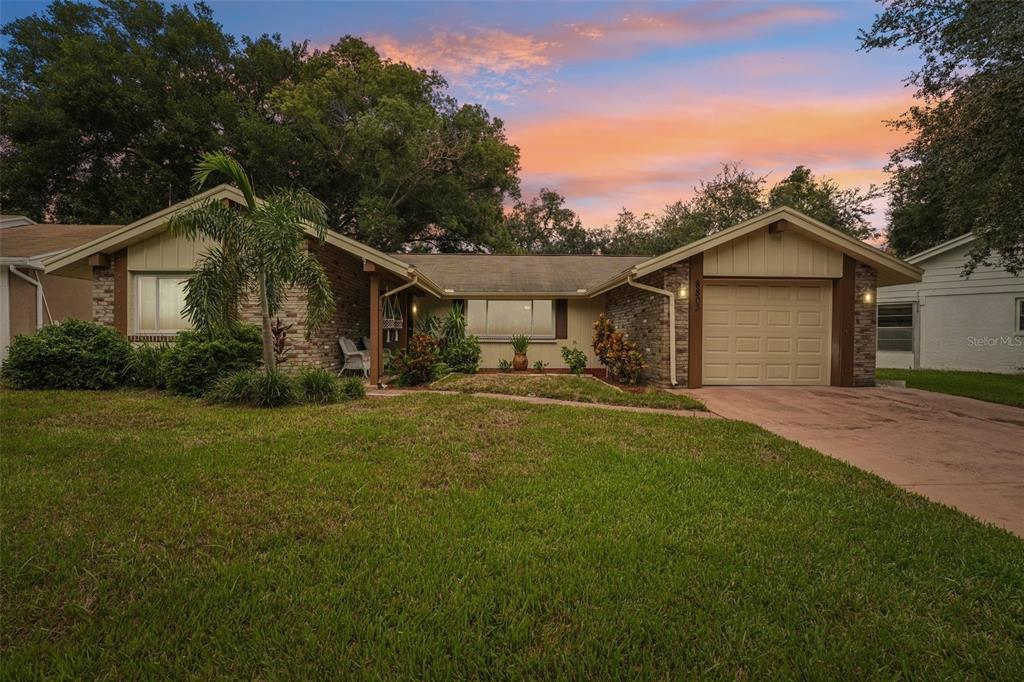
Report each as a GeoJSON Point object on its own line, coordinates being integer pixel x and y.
{"type": "Point", "coordinates": [963, 168]}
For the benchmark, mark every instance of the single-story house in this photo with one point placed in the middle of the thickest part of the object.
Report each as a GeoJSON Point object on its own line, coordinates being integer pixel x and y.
{"type": "Point", "coordinates": [949, 321]}
{"type": "Point", "coordinates": [29, 298]}
{"type": "Point", "coordinates": [779, 299]}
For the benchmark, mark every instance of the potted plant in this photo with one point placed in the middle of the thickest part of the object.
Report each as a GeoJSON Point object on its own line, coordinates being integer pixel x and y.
{"type": "Point", "coordinates": [520, 342]}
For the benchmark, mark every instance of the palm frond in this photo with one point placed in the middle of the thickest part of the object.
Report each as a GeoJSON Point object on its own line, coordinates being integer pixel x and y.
{"type": "Point", "coordinates": [219, 162]}
{"type": "Point", "coordinates": [312, 278]}
{"type": "Point", "coordinates": [213, 291]}
{"type": "Point", "coordinates": [310, 210]}
{"type": "Point", "coordinates": [210, 219]}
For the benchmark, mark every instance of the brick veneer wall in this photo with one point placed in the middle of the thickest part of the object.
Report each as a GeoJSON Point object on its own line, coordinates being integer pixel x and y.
{"type": "Point", "coordinates": [643, 317]}
{"type": "Point", "coordinates": [103, 296]}
{"type": "Point", "coordinates": [351, 318]}
{"type": "Point", "coordinates": [351, 287]}
{"type": "Point", "coordinates": [864, 325]}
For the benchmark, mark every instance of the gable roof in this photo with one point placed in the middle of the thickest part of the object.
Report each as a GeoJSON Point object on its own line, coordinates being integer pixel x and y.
{"type": "Point", "coordinates": [469, 275]}
{"type": "Point", "coordinates": [155, 223]}
{"type": "Point", "coordinates": [891, 270]}
{"type": "Point", "coordinates": [35, 240]}
{"type": "Point", "coordinates": [953, 243]}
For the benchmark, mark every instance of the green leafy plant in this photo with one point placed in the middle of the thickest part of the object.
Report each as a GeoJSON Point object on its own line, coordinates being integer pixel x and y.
{"type": "Point", "coordinates": [504, 365]}
{"type": "Point", "coordinates": [539, 365]}
{"type": "Point", "coordinates": [416, 364]}
{"type": "Point", "coordinates": [620, 356]}
{"type": "Point", "coordinates": [430, 325]}
{"type": "Point", "coordinates": [197, 359]}
{"type": "Point", "coordinates": [352, 388]}
{"type": "Point", "coordinates": [70, 355]}
{"type": "Point", "coordinates": [520, 342]}
{"type": "Point", "coordinates": [575, 359]}
{"type": "Point", "coordinates": [604, 329]}
{"type": "Point", "coordinates": [144, 366]}
{"type": "Point", "coordinates": [319, 385]}
{"type": "Point", "coordinates": [235, 388]}
{"type": "Point", "coordinates": [462, 355]}
{"type": "Point", "coordinates": [273, 388]}
{"type": "Point", "coordinates": [261, 249]}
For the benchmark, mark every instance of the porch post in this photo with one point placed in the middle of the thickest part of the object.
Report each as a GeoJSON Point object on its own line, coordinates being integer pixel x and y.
{"type": "Point", "coordinates": [375, 325]}
{"type": "Point", "coordinates": [403, 333]}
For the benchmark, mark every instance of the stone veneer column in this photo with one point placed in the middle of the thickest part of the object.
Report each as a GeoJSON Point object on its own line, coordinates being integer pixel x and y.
{"type": "Point", "coordinates": [864, 325]}
{"type": "Point", "coordinates": [103, 296]}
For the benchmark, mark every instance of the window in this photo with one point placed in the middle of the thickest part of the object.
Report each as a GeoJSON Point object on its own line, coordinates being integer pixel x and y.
{"type": "Point", "coordinates": [497, 319]}
{"type": "Point", "coordinates": [896, 326]}
{"type": "Point", "coordinates": [160, 300]}
{"type": "Point", "coordinates": [1018, 311]}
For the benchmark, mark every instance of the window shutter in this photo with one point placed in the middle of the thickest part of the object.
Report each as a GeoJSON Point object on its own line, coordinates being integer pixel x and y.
{"type": "Point", "coordinates": [561, 318]}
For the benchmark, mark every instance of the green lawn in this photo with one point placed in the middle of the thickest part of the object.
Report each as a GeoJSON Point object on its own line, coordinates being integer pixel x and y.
{"type": "Point", "coordinates": [1007, 389]}
{"type": "Point", "coordinates": [446, 536]}
{"type": "Point", "coordinates": [564, 387]}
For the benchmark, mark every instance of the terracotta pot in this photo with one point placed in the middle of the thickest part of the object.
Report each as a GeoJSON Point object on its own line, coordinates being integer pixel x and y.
{"type": "Point", "coordinates": [519, 362]}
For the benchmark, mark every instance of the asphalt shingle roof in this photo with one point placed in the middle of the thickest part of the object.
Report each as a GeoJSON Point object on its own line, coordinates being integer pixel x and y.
{"type": "Point", "coordinates": [29, 241]}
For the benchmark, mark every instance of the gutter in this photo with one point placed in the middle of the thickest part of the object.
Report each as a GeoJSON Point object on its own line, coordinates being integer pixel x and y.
{"type": "Point", "coordinates": [40, 297]}
{"type": "Point", "coordinates": [671, 323]}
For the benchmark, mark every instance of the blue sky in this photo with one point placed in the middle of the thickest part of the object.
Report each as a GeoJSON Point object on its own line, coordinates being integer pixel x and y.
{"type": "Point", "coordinates": [631, 104]}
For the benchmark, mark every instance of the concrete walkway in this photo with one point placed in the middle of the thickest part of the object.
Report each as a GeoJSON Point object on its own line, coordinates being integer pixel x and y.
{"type": "Point", "coordinates": [536, 400]}
{"type": "Point", "coordinates": [964, 453]}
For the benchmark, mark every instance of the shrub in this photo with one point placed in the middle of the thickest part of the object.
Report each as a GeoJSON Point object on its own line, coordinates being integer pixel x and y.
{"type": "Point", "coordinates": [575, 359]}
{"type": "Point", "coordinates": [504, 365]}
{"type": "Point", "coordinates": [604, 329]}
{"type": "Point", "coordinates": [416, 364]}
{"type": "Point", "coordinates": [462, 354]}
{"type": "Point", "coordinates": [621, 356]}
{"type": "Point", "coordinates": [71, 355]}
{"type": "Point", "coordinates": [352, 388]}
{"type": "Point", "coordinates": [520, 342]}
{"type": "Point", "coordinates": [236, 387]}
{"type": "Point", "coordinates": [144, 366]}
{"type": "Point", "coordinates": [539, 365]}
{"type": "Point", "coordinates": [318, 385]}
{"type": "Point", "coordinates": [197, 359]}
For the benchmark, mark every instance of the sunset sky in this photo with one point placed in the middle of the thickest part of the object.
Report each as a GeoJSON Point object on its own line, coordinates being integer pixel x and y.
{"type": "Point", "coordinates": [630, 104]}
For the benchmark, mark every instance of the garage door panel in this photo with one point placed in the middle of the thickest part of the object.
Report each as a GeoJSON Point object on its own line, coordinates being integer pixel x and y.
{"type": "Point", "coordinates": [773, 332]}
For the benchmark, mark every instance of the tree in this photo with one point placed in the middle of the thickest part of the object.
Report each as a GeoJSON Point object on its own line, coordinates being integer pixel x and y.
{"type": "Point", "coordinates": [259, 248]}
{"type": "Point", "coordinates": [546, 225]}
{"type": "Point", "coordinates": [398, 162]}
{"type": "Point", "coordinates": [103, 108]}
{"type": "Point", "coordinates": [963, 169]}
{"type": "Point", "coordinates": [823, 199]}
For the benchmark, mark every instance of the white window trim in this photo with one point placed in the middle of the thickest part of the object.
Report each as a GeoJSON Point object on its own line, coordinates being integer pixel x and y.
{"type": "Point", "coordinates": [138, 277]}
{"type": "Point", "coordinates": [1017, 329]}
{"type": "Point", "coordinates": [540, 338]}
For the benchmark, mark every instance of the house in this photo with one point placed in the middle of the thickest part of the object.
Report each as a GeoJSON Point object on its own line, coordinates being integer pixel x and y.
{"type": "Point", "coordinates": [949, 321]}
{"type": "Point", "coordinates": [29, 298]}
{"type": "Point", "coordinates": [780, 299]}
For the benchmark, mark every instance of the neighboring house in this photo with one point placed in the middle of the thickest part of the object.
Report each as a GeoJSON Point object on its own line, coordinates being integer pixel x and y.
{"type": "Point", "coordinates": [28, 297]}
{"type": "Point", "coordinates": [948, 321]}
{"type": "Point", "coordinates": [780, 299]}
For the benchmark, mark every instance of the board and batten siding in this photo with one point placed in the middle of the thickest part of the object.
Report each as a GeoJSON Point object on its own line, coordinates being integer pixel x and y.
{"type": "Point", "coordinates": [962, 323]}
{"type": "Point", "coordinates": [783, 254]}
{"type": "Point", "coordinates": [580, 317]}
{"type": "Point", "coordinates": [162, 253]}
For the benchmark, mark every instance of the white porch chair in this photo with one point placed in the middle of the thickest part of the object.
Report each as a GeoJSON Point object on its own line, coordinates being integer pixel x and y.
{"type": "Point", "coordinates": [354, 359]}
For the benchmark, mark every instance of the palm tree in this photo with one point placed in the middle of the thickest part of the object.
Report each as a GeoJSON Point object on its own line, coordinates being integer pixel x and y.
{"type": "Point", "coordinates": [258, 248]}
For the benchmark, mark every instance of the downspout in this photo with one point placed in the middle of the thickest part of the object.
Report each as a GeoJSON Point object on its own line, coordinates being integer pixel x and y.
{"type": "Point", "coordinates": [40, 299]}
{"type": "Point", "coordinates": [392, 292]}
{"type": "Point", "coordinates": [671, 323]}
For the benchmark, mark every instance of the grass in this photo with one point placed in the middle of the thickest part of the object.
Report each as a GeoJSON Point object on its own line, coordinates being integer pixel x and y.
{"type": "Point", "coordinates": [583, 389]}
{"type": "Point", "coordinates": [446, 536]}
{"type": "Point", "coordinates": [1007, 389]}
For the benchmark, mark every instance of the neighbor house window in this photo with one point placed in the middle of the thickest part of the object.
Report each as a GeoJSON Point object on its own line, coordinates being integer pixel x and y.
{"type": "Point", "coordinates": [896, 326]}
{"type": "Point", "coordinates": [499, 319]}
{"type": "Point", "coordinates": [1019, 316]}
{"type": "Point", "coordinates": [160, 302]}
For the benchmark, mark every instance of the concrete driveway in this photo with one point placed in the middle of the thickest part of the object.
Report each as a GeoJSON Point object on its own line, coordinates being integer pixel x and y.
{"type": "Point", "coordinates": [961, 452]}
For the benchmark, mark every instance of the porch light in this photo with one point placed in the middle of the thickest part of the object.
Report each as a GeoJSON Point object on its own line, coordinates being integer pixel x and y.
{"type": "Point", "coordinates": [869, 296]}
{"type": "Point", "coordinates": [414, 308]}
{"type": "Point", "coordinates": [683, 292]}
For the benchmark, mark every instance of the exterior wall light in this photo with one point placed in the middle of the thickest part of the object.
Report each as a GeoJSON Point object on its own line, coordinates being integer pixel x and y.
{"type": "Point", "coordinates": [683, 291]}
{"type": "Point", "coordinates": [414, 309]}
{"type": "Point", "coordinates": [869, 296]}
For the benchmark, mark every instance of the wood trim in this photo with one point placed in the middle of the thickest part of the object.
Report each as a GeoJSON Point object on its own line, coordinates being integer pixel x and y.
{"type": "Point", "coordinates": [843, 294]}
{"type": "Point", "coordinates": [99, 260]}
{"type": "Point", "coordinates": [561, 318]}
{"type": "Point", "coordinates": [403, 333]}
{"type": "Point", "coordinates": [376, 338]}
{"type": "Point", "coordinates": [119, 265]}
{"type": "Point", "coordinates": [695, 346]}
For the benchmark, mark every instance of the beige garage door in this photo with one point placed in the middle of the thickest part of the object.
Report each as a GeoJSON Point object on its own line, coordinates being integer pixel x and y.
{"type": "Point", "coordinates": [766, 332]}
